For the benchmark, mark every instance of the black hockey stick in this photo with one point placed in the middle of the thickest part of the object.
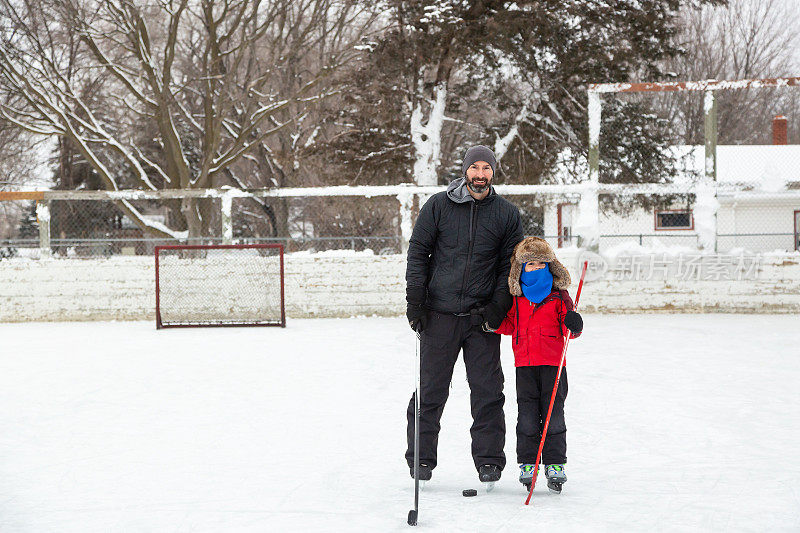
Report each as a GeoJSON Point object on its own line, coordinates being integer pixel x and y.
{"type": "Point", "coordinates": [414, 513]}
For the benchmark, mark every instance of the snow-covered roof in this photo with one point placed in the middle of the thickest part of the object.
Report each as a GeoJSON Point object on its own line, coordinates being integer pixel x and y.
{"type": "Point", "coordinates": [768, 167]}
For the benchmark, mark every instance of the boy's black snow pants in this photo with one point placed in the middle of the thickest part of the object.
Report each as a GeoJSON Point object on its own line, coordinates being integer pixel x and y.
{"type": "Point", "coordinates": [534, 387]}
{"type": "Point", "coordinates": [442, 339]}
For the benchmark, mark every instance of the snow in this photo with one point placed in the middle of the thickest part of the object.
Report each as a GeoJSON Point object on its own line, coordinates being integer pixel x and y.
{"type": "Point", "coordinates": [427, 138]}
{"type": "Point", "coordinates": [708, 102]}
{"type": "Point", "coordinates": [767, 167]}
{"type": "Point", "coordinates": [42, 212]}
{"type": "Point", "coordinates": [595, 115]}
{"type": "Point", "coordinates": [634, 248]}
{"type": "Point", "coordinates": [303, 428]}
{"type": "Point", "coordinates": [587, 223]}
{"type": "Point", "coordinates": [158, 225]}
{"type": "Point", "coordinates": [406, 224]}
{"type": "Point", "coordinates": [704, 85]}
{"type": "Point", "coordinates": [501, 144]}
{"type": "Point", "coordinates": [439, 14]}
{"type": "Point", "coordinates": [333, 253]}
{"type": "Point", "coordinates": [705, 215]}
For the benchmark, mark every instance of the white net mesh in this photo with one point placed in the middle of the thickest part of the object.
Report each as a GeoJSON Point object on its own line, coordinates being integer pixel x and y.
{"type": "Point", "coordinates": [235, 285]}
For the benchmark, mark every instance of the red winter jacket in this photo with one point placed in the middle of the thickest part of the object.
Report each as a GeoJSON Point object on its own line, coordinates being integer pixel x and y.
{"type": "Point", "coordinates": [538, 330]}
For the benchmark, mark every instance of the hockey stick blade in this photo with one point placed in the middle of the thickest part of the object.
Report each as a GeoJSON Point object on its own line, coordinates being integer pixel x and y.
{"type": "Point", "coordinates": [412, 517]}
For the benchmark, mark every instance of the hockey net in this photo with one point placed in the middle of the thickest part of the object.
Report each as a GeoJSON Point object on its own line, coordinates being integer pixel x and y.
{"type": "Point", "coordinates": [219, 285]}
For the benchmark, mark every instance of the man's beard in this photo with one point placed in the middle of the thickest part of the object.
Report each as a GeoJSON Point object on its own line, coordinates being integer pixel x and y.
{"type": "Point", "coordinates": [478, 189]}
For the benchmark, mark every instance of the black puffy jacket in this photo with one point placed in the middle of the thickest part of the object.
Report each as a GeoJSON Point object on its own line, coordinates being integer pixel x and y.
{"type": "Point", "coordinates": [460, 251]}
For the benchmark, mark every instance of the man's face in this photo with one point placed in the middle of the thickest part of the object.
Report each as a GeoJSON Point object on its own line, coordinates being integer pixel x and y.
{"type": "Point", "coordinates": [479, 176]}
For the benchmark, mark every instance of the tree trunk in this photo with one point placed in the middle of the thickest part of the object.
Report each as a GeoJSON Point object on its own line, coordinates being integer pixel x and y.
{"type": "Point", "coordinates": [427, 138]}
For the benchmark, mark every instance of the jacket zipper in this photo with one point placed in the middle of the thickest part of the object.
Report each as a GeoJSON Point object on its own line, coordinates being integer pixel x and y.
{"type": "Point", "coordinates": [472, 223]}
{"type": "Point", "coordinates": [530, 319]}
{"type": "Point", "coordinates": [535, 308]}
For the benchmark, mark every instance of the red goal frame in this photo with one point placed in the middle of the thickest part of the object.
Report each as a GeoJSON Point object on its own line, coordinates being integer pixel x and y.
{"type": "Point", "coordinates": [160, 325]}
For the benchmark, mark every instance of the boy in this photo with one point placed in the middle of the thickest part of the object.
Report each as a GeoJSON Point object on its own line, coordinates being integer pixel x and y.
{"type": "Point", "coordinates": [538, 321]}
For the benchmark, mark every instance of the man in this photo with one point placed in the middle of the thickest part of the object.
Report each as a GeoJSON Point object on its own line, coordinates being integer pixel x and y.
{"type": "Point", "coordinates": [457, 291]}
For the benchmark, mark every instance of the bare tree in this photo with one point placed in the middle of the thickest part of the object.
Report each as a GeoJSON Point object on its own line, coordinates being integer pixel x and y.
{"type": "Point", "coordinates": [310, 32]}
{"type": "Point", "coordinates": [22, 157]}
{"type": "Point", "coordinates": [22, 162]}
{"type": "Point", "coordinates": [189, 86]}
{"type": "Point", "coordinates": [744, 40]}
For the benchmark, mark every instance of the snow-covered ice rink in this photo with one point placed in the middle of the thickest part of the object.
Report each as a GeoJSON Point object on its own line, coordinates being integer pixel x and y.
{"type": "Point", "coordinates": [676, 423]}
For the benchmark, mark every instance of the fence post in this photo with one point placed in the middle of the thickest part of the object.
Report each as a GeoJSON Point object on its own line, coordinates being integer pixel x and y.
{"type": "Point", "coordinates": [227, 224]}
{"type": "Point", "coordinates": [43, 217]}
{"type": "Point", "coordinates": [706, 204]}
{"type": "Point", "coordinates": [406, 204]}
{"type": "Point", "coordinates": [588, 224]}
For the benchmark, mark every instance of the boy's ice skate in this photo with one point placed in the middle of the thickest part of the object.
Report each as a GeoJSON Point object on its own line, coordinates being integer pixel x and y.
{"type": "Point", "coordinates": [555, 477]}
{"type": "Point", "coordinates": [526, 475]}
{"type": "Point", "coordinates": [489, 474]}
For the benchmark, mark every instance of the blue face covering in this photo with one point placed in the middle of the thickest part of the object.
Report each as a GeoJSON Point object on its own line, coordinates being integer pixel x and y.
{"type": "Point", "coordinates": [536, 284]}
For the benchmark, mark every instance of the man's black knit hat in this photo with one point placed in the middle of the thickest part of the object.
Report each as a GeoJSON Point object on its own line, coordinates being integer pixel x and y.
{"type": "Point", "coordinates": [478, 153]}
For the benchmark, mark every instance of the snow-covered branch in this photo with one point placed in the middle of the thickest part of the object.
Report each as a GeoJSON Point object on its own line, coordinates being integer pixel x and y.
{"type": "Point", "coordinates": [501, 144]}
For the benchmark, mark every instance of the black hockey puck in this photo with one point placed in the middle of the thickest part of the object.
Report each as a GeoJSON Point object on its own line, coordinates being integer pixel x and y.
{"type": "Point", "coordinates": [469, 492]}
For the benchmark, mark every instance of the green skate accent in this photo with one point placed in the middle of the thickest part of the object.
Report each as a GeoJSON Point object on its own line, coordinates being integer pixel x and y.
{"type": "Point", "coordinates": [555, 473]}
{"type": "Point", "coordinates": [526, 473]}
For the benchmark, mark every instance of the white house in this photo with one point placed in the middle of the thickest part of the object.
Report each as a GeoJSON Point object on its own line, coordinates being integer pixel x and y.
{"type": "Point", "coordinates": [759, 205]}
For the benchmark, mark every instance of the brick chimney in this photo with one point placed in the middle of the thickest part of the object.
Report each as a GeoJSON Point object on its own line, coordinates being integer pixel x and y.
{"type": "Point", "coordinates": [780, 128]}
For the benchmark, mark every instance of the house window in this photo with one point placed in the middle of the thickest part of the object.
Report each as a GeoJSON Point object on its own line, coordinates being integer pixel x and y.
{"type": "Point", "coordinates": [674, 220]}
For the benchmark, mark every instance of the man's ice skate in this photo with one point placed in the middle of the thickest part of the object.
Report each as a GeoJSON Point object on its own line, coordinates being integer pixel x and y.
{"type": "Point", "coordinates": [489, 474]}
{"type": "Point", "coordinates": [526, 475]}
{"type": "Point", "coordinates": [425, 473]}
{"type": "Point", "coordinates": [555, 477]}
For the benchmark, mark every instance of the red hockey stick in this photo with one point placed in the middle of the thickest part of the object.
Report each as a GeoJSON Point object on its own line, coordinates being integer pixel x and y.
{"type": "Point", "coordinates": [555, 388]}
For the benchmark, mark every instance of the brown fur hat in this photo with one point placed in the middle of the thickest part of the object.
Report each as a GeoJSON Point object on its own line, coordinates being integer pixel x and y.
{"type": "Point", "coordinates": [536, 249]}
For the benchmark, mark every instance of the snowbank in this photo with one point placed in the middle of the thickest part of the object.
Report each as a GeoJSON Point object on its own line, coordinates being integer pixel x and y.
{"type": "Point", "coordinates": [344, 284]}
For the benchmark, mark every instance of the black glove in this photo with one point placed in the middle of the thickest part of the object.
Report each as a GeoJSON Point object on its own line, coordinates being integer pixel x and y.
{"type": "Point", "coordinates": [574, 322]}
{"type": "Point", "coordinates": [417, 318]}
{"type": "Point", "coordinates": [493, 316]}
{"type": "Point", "coordinates": [476, 316]}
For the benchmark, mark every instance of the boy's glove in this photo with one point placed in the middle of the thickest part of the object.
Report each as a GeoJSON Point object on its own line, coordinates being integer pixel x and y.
{"type": "Point", "coordinates": [574, 322]}
{"type": "Point", "coordinates": [417, 318]}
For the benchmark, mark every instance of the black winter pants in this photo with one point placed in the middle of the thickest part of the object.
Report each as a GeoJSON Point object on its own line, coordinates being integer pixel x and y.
{"type": "Point", "coordinates": [444, 336]}
{"type": "Point", "coordinates": [534, 387]}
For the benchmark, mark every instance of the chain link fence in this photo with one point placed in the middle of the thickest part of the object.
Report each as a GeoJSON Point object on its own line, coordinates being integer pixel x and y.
{"type": "Point", "coordinates": [316, 224]}
{"type": "Point", "coordinates": [739, 139]}
{"type": "Point", "coordinates": [103, 228]}
{"type": "Point", "coordinates": [19, 229]}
